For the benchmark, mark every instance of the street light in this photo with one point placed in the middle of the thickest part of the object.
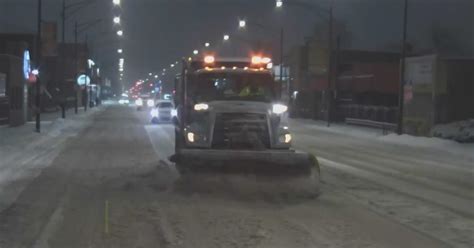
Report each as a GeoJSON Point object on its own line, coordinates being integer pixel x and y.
{"type": "Point", "coordinates": [116, 2]}
{"type": "Point", "coordinates": [279, 3]}
{"type": "Point", "coordinates": [195, 52]}
{"type": "Point", "coordinates": [226, 37]}
{"type": "Point", "coordinates": [242, 23]}
{"type": "Point", "coordinates": [156, 76]}
{"type": "Point", "coordinates": [116, 20]}
{"type": "Point", "coordinates": [120, 33]}
{"type": "Point", "coordinates": [172, 65]}
{"type": "Point", "coordinates": [149, 74]}
{"type": "Point", "coordinates": [207, 44]}
{"type": "Point", "coordinates": [119, 50]}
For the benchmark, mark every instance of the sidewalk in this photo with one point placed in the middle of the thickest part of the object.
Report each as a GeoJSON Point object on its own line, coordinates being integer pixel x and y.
{"type": "Point", "coordinates": [384, 136]}
{"type": "Point", "coordinates": [24, 152]}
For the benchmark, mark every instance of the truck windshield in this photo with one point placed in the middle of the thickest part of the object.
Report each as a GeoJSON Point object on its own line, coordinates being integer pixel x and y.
{"type": "Point", "coordinates": [232, 86]}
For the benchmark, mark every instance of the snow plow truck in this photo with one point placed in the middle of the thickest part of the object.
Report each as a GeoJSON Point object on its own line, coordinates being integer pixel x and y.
{"type": "Point", "coordinates": [229, 119]}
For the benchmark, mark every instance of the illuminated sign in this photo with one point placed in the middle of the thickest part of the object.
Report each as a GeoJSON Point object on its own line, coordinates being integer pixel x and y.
{"type": "Point", "coordinates": [26, 64]}
{"type": "Point", "coordinates": [83, 80]}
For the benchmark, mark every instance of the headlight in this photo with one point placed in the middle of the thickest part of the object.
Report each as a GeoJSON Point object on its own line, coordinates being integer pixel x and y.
{"type": "Point", "coordinates": [150, 102]}
{"type": "Point", "coordinates": [139, 102]}
{"type": "Point", "coordinates": [154, 113]}
{"type": "Point", "coordinates": [279, 108]}
{"type": "Point", "coordinates": [174, 112]}
{"type": "Point", "coordinates": [285, 138]}
{"type": "Point", "coordinates": [201, 107]}
{"type": "Point", "coordinates": [190, 137]}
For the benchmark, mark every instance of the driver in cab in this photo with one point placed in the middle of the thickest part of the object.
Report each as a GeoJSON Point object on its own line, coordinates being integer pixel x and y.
{"type": "Point", "coordinates": [251, 90]}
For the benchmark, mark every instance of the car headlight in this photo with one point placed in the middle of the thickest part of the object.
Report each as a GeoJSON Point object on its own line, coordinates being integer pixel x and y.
{"type": "Point", "coordinates": [278, 108]}
{"type": "Point", "coordinates": [139, 102]}
{"type": "Point", "coordinates": [154, 113]}
{"type": "Point", "coordinates": [201, 107]}
{"type": "Point", "coordinates": [190, 137]}
{"type": "Point", "coordinates": [150, 102]}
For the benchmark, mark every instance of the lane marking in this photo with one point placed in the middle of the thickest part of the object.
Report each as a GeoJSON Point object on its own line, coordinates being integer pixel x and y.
{"type": "Point", "coordinates": [106, 217]}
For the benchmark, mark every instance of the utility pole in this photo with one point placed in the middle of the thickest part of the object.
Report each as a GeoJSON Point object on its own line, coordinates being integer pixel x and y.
{"type": "Point", "coordinates": [401, 90]}
{"type": "Point", "coordinates": [329, 67]}
{"type": "Point", "coordinates": [62, 87]}
{"type": "Point", "coordinates": [63, 21]}
{"type": "Point", "coordinates": [38, 63]}
{"type": "Point", "coordinates": [86, 90]}
{"type": "Point", "coordinates": [336, 68]}
{"type": "Point", "coordinates": [75, 67]}
{"type": "Point", "coordinates": [281, 58]}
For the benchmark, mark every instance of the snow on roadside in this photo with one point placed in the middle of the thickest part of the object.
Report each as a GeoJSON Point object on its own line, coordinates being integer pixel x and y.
{"type": "Point", "coordinates": [463, 149]}
{"type": "Point", "coordinates": [462, 131]}
{"type": "Point", "coordinates": [25, 153]}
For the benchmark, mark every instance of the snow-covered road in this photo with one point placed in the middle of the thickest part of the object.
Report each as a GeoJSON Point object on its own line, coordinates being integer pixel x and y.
{"type": "Point", "coordinates": [426, 184]}
{"type": "Point", "coordinates": [109, 185]}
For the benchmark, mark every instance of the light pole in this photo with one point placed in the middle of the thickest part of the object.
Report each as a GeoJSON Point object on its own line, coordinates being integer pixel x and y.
{"type": "Point", "coordinates": [330, 65]}
{"type": "Point", "coordinates": [38, 63]}
{"type": "Point", "coordinates": [401, 90]}
{"type": "Point", "coordinates": [65, 7]}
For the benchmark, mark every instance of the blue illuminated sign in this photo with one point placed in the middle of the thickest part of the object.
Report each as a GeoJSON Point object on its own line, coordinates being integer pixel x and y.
{"type": "Point", "coordinates": [26, 64]}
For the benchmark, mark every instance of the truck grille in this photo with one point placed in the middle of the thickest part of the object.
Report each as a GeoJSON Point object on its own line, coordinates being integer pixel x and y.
{"type": "Point", "coordinates": [241, 131]}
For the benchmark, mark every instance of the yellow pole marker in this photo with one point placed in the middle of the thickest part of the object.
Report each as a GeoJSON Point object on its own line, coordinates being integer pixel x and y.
{"type": "Point", "coordinates": [106, 217]}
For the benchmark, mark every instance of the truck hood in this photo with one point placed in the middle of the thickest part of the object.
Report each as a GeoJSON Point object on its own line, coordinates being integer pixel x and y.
{"type": "Point", "coordinates": [239, 106]}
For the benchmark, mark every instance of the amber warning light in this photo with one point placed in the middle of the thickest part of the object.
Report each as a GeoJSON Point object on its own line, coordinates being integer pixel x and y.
{"type": "Point", "coordinates": [209, 59]}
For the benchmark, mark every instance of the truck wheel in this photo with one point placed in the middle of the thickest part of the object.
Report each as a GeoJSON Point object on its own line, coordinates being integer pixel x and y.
{"type": "Point", "coordinates": [178, 141]}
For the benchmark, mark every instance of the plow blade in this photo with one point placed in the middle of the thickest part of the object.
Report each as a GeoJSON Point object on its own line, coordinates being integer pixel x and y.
{"type": "Point", "coordinates": [274, 162]}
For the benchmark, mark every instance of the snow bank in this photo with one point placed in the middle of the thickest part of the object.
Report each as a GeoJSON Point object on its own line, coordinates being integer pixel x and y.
{"type": "Point", "coordinates": [463, 149]}
{"type": "Point", "coordinates": [462, 131]}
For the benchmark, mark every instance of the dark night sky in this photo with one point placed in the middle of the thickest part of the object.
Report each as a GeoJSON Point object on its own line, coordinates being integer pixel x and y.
{"type": "Point", "coordinates": [158, 32]}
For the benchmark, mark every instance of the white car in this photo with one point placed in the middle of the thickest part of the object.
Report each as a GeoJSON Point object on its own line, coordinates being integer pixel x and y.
{"type": "Point", "coordinates": [124, 101]}
{"type": "Point", "coordinates": [164, 111]}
